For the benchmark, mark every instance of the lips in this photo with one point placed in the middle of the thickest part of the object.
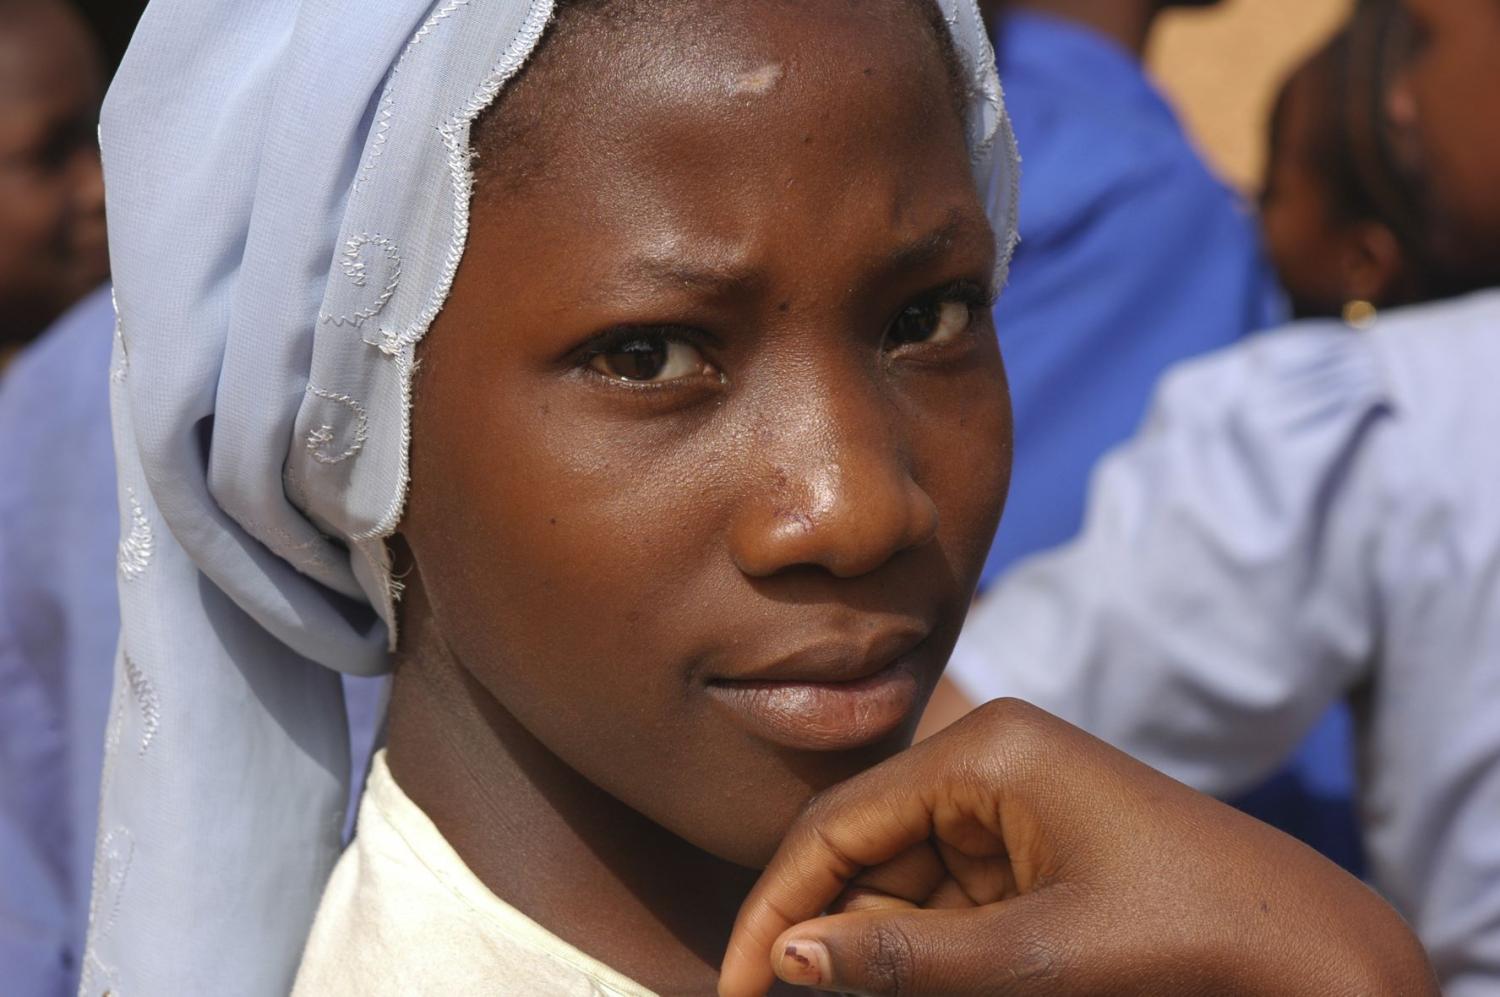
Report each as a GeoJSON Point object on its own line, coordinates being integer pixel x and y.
{"type": "Point", "coordinates": [830, 698]}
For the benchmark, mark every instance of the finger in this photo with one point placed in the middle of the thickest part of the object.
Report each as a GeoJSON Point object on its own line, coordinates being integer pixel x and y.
{"type": "Point", "coordinates": [959, 783]}
{"type": "Point", "coordinates": [858, 898]}
{"type": "Point", "coordinates": [1022, 946]}
{"type": "Point", "coordinates": [950, 894]}
{"type": "Point", "coordinates": [910, 876]}
{"type": "Point", "coordinates": [982, 881]}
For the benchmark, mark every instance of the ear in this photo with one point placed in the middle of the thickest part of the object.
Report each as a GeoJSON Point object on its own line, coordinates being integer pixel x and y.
{"type": "Point", "coordinates": [1373, 263]}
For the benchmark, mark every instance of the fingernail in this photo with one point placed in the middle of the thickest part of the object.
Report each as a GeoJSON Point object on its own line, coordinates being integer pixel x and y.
{"type": "Point", "coordinates": [804, 963]}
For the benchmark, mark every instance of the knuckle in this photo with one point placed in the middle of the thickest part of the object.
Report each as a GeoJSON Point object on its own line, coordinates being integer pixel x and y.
{"type": "Point", "coordinates": [1008, 711]}
{"type": "Point", "coordinates": [890, 960]}
{"type": "Point", "coordinates": [1018, 729]}
{"type": "Point", "coordinates": [811, 837]}
{"type": "Point", "coordinates": [819, 812]}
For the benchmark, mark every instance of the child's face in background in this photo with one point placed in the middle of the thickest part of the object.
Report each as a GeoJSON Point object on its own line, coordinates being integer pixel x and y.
{"type": "Point", "coordinates": [1302, 237]}
{"type": "Point", "coordinates": [1450, 94]}
{"type": "Point", "coordinates": [712, 435]}
{"type": "Point", "coordinates": [1321, 230]}
{"type": "Point", "coordinates": [52, 244]}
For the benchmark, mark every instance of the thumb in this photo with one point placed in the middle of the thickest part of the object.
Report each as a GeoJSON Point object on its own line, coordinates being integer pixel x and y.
{"type": "Point", "coordinates": [1012, 947]}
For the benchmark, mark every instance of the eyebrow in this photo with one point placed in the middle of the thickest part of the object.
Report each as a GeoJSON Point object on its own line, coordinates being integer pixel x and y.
{"type": "Point", "coordinates": [672, 270]}
{"type": "Point", "coordinates": [930, 247]}
{"type": "Point", "coordinates": [678, 271]}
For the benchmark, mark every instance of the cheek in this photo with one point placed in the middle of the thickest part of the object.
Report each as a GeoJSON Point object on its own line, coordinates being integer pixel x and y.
{"type": "Point", "coordinates": [31, 216]}
{"type": "Point", "coordinates": [1275, 224]}
{"type": "Point", "coordinates": [556, 540]}
{"type": "Point", "coordinates": [1457, 89]}
{"type": "Point", "coordinates": [962, 447]}
{"type": "Point", "coordinates": [1293, 245]}
{"type": "Point", "coordinates": [1302, 242]}
{"type": "Point", "coordinates": [34, 206]}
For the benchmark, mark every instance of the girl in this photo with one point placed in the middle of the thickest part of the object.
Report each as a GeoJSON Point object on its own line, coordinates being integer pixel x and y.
{"type": "Point", "coordinates": [679, 499]}
{"type": "Point", "coordinates": [1348, 214]}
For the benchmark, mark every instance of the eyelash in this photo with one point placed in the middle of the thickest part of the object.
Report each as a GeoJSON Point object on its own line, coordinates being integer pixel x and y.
{"type": "Point", "coordinates": [975, 296]}
{"type": "Point", "coordinates": [615, 340]}
{"type": "Point", "coordinates": [967, 292]}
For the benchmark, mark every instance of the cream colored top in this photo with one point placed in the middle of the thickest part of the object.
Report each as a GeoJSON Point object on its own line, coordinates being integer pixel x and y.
{"type": "Point", "coordinates": [402, 915]}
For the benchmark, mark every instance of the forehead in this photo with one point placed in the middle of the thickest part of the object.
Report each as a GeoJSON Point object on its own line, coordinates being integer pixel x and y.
{"type": "Point", "coordinates": [819, 118]}
{"type": "Point", "coordinates": [44, 52]}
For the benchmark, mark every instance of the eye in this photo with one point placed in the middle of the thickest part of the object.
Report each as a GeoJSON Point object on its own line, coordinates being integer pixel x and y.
{"type": "Point", "coordinates": [649, 358]}
{"type": "Point", "coordinates": [939, 319]}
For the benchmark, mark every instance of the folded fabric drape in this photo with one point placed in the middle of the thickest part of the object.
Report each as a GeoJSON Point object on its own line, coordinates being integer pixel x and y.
{"type": "Point", "coordinates": [289, 184]}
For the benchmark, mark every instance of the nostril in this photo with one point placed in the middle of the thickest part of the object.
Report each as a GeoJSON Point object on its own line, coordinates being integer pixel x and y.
{"type": "Point", "coordinates": [846, 531]}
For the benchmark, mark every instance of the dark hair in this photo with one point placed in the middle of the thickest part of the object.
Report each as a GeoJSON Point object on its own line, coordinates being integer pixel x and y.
{"type": "Point", "coordinates": [505, 136]}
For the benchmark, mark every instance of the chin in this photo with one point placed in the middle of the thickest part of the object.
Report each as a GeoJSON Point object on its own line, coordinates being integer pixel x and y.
{"type": "Point", "coordinates": [749, 819]}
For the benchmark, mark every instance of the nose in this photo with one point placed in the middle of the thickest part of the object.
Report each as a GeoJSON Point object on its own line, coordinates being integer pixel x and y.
{"type": "Point", "coordinates": [830, 488]}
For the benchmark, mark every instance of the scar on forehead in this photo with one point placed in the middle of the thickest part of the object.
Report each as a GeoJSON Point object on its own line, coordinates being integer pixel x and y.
{"type": "Point", "coordinates": [756, 82]}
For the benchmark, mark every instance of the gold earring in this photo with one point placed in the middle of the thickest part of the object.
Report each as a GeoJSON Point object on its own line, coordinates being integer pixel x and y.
{"type": "Point", "coordinates": [1360, 314]}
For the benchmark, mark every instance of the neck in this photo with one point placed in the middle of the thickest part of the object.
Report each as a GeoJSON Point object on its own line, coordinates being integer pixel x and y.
{"type": "Point", "coordinates": [1127, 22]}
{"type": "Point", "coordinates": [541, 837]}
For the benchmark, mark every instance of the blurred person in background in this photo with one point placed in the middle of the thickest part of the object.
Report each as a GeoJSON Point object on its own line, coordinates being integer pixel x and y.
{"type": "Point", "coordinates": [58, 616]}
{"type": "Point", "coordinates": [1343, 206]}
{"type": "Point", "coordinates": [59, 621]}
{"type": "Point", "coordinates": [52, 243]}
{"type": "Point", "coordinates": [1314, 515]}
{"type": "Point", "coordinates": [1133, 256]}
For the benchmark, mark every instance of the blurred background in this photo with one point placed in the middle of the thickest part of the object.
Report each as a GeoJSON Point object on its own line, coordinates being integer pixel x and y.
{"type": "Point", "coordinates": [1221, 67]}
{"type": "Point", "coordinates": [1121, 223]}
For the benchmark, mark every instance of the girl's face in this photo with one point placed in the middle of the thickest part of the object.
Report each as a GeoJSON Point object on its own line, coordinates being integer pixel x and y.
{"type": "Point", "coordinates": [1300, 231]}
{"type": "Point", "coordinates": [52, 242]}
{"type": "Point", "coordinates": [713, 433]}
{"type": "Point", "coordinates": [1323, 256]}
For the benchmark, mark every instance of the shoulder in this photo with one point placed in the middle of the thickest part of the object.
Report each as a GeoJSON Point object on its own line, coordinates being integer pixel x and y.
{"type": "Point", "coordinates": [1441, 362]}
{"type": "Point", "coordinates": [1284, 382]}
{"type": "Point", "coordinates": [1442, 356]}
{"type": "Point", "coordinates": [54, 407]}
{"type": "Point", "coordinates": [1413, 398]}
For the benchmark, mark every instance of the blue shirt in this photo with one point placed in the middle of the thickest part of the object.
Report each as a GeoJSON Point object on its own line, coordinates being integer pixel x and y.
{"type": "Point", "coordinates": [58, 623]}
{"type": "Point", "coordinates": [1132, 257]}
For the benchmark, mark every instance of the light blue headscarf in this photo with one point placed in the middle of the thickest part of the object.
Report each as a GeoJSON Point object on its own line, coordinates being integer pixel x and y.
{"type": "Point", "coordinates": [289, 186]}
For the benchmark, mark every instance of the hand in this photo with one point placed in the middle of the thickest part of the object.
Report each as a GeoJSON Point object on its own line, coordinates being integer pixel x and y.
{"type": "Point", "coordinates": [1015, 854]}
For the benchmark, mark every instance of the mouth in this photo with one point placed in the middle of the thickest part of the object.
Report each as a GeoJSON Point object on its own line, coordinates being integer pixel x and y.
{"type": "Point", "coordinates": [829, 701]}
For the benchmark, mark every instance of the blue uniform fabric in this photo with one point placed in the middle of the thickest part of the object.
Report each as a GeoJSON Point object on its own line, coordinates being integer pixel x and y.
{"type": "Point", "coordinates": [59, 620]}
{"type": "Point", "coordinates": [1132, 257]}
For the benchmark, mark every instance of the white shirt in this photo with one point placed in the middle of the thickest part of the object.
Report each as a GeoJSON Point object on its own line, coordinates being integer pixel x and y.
{"type": "Point", "coordinates": [403, 916]}
{"type": "Point", "coordinates": [1311, 515]}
